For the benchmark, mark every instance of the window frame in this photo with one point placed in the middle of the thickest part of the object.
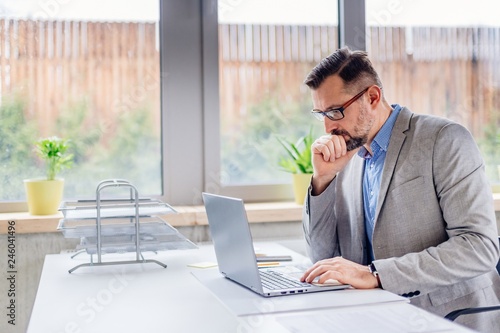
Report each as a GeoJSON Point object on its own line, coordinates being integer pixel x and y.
{"type": "Point", "coordinates": [190, 117]}
{"type": "Point", "coordinates": [212, 171]}
{"type": "Point", "coordinates": [197, 127]}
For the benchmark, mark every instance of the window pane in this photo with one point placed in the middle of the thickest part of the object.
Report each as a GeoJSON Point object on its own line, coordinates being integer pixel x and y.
{"type": "Point", "coordinates": [444, 61]}
{"type": "Point", "coordinates": [266, 48]}
{"type": "Point", "coordinates": [87, 71]}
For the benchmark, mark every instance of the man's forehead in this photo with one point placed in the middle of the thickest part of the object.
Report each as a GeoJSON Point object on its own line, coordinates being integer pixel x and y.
{"type": "Point", "coordinates": [332, 85]}
{"type": "Point", "coordinates": [330, 92]}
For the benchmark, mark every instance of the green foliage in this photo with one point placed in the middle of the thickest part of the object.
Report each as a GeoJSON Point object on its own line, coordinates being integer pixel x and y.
{"type": "Point", "coordinates": [76, 122]}
{"type": "Point", "coordinates": [126, 146]}
{"type": "Point", "coordinates": [54, 151]}
{"type": "Point", "coordinates": [299, 156]}
{"type": "Point", "coordinates": [250, 152]}
{"type": "Point", "coordinates": [17, 134]}
{"type": "Point", "coordinates": [490, 149]}
{"type": "Point", "coordinates": [135, 151]}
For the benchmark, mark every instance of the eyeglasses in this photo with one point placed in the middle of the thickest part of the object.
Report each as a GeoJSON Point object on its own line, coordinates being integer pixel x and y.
{"type": "Point", "coordinates": [336, 113]}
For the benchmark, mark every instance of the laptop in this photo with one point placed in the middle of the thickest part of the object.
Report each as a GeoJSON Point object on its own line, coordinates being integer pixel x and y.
{"type": "Point", "coordinates": [233, 244]}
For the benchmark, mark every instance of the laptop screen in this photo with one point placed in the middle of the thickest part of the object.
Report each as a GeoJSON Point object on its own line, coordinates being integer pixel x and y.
{"type": "Point", "coordinates": [232, 239]}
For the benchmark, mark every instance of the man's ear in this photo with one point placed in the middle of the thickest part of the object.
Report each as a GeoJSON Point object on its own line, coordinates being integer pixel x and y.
{"type": "Point", "coordinates": [375, 95]}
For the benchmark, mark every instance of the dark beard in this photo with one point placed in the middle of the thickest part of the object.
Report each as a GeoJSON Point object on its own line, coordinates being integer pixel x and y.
{"type": "Point", "coordinates": [353, 142]}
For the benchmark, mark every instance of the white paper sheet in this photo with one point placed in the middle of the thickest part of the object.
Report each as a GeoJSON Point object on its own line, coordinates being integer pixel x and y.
{"type": "Point", "coordinates": [381, 318]}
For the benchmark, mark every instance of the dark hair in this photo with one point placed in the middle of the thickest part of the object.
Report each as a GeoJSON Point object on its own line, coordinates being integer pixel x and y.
{"type": "Point", "coordinates": [353, 67]}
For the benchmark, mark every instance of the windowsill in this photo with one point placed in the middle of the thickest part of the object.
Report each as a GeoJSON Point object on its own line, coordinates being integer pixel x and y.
{"type": "Point", "coordinates": [187, 216]}
{"type": "Point", "coordinates": [496, 201]}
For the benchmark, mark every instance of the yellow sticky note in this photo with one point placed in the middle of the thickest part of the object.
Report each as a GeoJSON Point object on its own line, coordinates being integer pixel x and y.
{"type": "Point", "coordinates": [268, 264]}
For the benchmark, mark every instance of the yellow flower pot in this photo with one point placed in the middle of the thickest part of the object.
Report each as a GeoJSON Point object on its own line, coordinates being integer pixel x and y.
{"type": "Point", "coordinates": [301, 183]}
{"type": "Point", "coordinates": [495, 187]}
{"type": "Point", "coordinates": [44, 196]}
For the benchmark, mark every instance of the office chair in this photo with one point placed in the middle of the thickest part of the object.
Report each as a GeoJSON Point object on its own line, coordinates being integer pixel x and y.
{"type": "Point", "coordinates": [454, 314]}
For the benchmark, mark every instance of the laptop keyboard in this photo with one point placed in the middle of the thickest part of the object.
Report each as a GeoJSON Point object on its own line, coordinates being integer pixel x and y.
{"type": "Point", "coordinates": [275, 281]}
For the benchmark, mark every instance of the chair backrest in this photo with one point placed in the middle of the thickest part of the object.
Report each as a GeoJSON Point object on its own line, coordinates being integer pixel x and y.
{"type": "Point", "coordinates": [455, 314]}
{"type": "Point", "coordinates": [498, 264]}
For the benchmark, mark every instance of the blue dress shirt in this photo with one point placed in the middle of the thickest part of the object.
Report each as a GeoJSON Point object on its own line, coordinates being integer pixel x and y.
{"type": "Point", "coordinates": [374, 165]}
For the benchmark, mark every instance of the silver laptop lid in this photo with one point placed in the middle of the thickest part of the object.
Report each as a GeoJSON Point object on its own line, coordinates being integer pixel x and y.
{"type": "Point", "coordinates": [232, 240]}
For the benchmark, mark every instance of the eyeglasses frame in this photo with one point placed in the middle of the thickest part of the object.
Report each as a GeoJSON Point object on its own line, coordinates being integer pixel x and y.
{"type": "Point", "coordinates": [340, 110]}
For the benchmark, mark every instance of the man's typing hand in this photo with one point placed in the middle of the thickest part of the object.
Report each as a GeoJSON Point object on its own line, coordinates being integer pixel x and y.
{"type": "Point", "coordinates": [342, 270]}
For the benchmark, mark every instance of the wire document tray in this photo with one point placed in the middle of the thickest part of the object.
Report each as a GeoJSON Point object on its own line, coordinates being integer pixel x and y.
{"type": "Point", "coordinates": [120, 225]}
{"type": "Point", "coordinates": [86, 209]}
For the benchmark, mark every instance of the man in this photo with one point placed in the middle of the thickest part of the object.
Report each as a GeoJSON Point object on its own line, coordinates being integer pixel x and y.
{"type": "Point", "coordinates": [397, 200]}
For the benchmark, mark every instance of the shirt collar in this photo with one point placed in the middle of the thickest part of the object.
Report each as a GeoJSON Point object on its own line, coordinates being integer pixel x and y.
{"type": "Point", "coordinates": [381, 140]}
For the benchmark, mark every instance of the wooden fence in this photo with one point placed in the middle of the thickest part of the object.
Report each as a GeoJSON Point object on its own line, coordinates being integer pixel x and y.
{"type": "Point", "coordinates": [451, 72]}
{"type": "Point", "coordinates": [114, 67]}
{"type": "Point", "coordinates": [54, 66]}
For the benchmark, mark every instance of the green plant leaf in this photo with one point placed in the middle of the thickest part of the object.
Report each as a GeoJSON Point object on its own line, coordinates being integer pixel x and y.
{"type": "Point", "coordinates": [54, 151]}
{"type": "Point", "coordinates": [299, 155]}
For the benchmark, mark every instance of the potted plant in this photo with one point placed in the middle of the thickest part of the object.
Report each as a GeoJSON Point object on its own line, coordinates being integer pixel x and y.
{"type": "Point", "coordinates": [45, 194]}
{"type": "Point", "coordinates": [298, 162]}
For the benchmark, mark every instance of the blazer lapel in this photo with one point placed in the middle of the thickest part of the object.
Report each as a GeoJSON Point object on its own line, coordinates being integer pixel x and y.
{"type": "Point", "coordinates": [398, 137]}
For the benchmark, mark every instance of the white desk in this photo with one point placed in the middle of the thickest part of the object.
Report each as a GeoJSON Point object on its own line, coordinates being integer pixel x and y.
{"type": "Point", "coordinates": [149, 298]}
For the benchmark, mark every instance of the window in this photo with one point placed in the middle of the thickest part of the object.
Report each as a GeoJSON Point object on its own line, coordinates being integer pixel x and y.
{"type": "Point", "coordinates": [226, 82]}
{"type": "Point", "coordinates": [266, 48]}
{"type": "Point", "coordinates": [91, 76]}
{"type": "Point", "coordinates": [444, 61]}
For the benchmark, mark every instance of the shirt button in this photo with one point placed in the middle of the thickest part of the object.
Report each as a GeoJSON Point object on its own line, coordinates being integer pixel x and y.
{"type": "Point", "coordinates": [371, 193]}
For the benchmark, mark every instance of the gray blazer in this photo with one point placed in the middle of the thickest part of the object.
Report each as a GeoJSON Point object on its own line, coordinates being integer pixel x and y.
{"type": "Point", "coordinates": [435, 239]}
